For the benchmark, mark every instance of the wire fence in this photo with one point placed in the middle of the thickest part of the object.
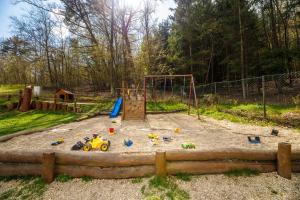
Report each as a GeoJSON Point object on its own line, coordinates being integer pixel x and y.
{"type": "Point", "coordinates": [273, 89]}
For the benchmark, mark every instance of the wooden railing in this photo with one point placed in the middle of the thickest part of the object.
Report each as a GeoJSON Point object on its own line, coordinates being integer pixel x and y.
{"type": "Point", "coordinates": [162, 163]}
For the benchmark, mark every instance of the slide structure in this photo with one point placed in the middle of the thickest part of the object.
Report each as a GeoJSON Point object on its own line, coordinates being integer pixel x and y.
{"type": "Point", "coordinates": [117, 108]}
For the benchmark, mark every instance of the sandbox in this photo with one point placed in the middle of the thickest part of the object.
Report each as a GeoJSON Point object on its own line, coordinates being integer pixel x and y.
{"type": "Point", "coordinates": [206, 134]}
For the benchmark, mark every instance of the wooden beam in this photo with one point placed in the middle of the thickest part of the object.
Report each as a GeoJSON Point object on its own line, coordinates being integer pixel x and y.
{"type": "Point", "coordinates": [284, 165]}
{"type": "Point", "coordinates": [48, 167]}
{"type": "Point", "coordinates": [21, 157]}
{"type": "Point", "coordinates": [160, 163]}
{"type": "Point", "coordinates": [104, 160]}
{"type": "Point", "coordinates": [221, 154]}
{"type": "Point", "coordinates": [14, 169]}
{"type": "Point", "coordinates": [106, 173]}
{"type": "Point", "coordinates": [160, 76]}
{"type": "Point", "coordinates": [214, 167]}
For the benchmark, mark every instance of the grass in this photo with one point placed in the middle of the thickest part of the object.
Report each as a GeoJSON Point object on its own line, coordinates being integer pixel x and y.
{"type": "Point", "coordinates": [29, 188]}
{"type": "Point", "coordinates": [14, 121]}
{"type": "Point", "coordinates": [64, 178]}
{"type": "Point", "coordinates": [183, 176]}
{"type": "Point", "coordinates": [21, 178]}
{"type": "Point", "coordinates": [136, 180]}
{"type": "Point", "coordinates": [242, 172]}
{"type": "Point", "coordinates": [86, 178]}
{"type": "Point", "coordinates": [163, 188]}
{"type": "Point", "coordinates": [252, 113]}
{"type": "Point", "coordinates": [104, 106]}
{"type": "Point", "coordinates": [166, 106]}
{"type": "Point", "coordinates": [10, 89]}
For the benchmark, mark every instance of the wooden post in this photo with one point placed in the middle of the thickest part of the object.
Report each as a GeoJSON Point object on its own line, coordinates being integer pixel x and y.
{"type": "Point", "coordinates": [26, 99]}
{"type": "Point", "coordinates": [55, 101]}
{"type": "Point", "coordinates": [264, 99]}
{"type": "Point", "coordinates": [215, 88]}
{"type": "Point", "coordinates": [160, 163]}
{"type": "Point", "coordinates": [20, 99]}
{"type": "Point", "coordinates": [75, 104]}
{"type": "Point", "coordinates": [195, 96]}
{"type": "Point", "coordinates": [190, 94]}
{"type": "Point", "coordinates": [145, 95]}
{"type": "Point", "coordinates": [284, 165]}
{"type": "Point", "coordinates": [124, 100]}
{"type": "Point", "coordinates": [48, 167]}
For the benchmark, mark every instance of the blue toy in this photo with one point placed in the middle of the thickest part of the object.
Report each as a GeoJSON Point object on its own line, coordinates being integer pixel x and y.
{"type": "Point", "coordinates": [128, 142]}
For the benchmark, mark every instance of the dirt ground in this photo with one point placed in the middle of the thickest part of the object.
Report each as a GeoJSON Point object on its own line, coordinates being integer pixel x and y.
{"type": "Point", "coordinates": [205, 187]}
{"type": "Point", "coordinates": [206, 134]}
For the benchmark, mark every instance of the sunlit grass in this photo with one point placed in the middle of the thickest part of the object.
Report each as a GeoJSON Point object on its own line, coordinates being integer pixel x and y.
{"type": "Point", "coordinates": [10, 89]}
{"type": "Point", "coordinates": [15, 121]}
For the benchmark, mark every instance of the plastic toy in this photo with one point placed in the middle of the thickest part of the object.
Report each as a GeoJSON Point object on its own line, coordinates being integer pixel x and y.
{"type": "Point", "coordinates": [255, 140]}
{"type": "Point", "coordinates": [167, 139]}
{"type": "Point", "coordinates": [59, 141]}
{"type": "Point", "coordinates": [102, 144]}
{"type": "Point", "coordinates": [128, 142]}
{"type": "Point", "coordinates": [152, 136]}
{"type": "Point", "coordinates": [155, 141]}
{"type": "Point", "coordinates": [274, 132]}
{"type": "Point", "coordinates": [111, 131]}
{"type": "Point", "coordinates": [177, 130]}
{"type": "Point", "coordinates": [188, 145]}
{"type": "Point", "coordinates": [78, 146]}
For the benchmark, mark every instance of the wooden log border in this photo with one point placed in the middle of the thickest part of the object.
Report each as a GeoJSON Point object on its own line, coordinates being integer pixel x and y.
{"type": "Point", "coordinates": [131, 165]}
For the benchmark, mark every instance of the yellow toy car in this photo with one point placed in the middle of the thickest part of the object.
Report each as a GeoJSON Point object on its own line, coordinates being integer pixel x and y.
{"type": "Point", "coordinates": [152, 136]}
{"type": "Point", "coordinates": [96, 143]}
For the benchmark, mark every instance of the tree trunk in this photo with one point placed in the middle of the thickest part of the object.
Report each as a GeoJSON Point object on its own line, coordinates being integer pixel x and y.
{"type": "Point", "coordinates": [242, 49]}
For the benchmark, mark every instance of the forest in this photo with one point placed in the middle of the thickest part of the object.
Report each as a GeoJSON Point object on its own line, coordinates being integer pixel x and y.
{"type": "Point", "coordinates": [100, 43]}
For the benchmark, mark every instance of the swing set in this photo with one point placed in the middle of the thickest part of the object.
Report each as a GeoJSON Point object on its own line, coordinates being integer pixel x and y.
{"type": "Point", "coordinates": [187, 77]}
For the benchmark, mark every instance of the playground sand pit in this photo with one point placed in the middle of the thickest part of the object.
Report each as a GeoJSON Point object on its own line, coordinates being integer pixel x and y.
{"type": "Point", "coordinates": [206, 134]}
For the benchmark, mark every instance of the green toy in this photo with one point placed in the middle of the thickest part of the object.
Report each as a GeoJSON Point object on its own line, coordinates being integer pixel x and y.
{"type": "Point", "coordinates": [188, 145]}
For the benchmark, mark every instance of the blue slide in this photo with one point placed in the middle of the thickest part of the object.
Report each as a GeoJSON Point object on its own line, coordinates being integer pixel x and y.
{"type": "Point", "coordinates": [117, 108]}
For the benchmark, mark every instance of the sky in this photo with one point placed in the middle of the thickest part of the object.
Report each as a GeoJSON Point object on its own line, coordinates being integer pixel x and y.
{"type": "Point", "coordinates": [7, 9]}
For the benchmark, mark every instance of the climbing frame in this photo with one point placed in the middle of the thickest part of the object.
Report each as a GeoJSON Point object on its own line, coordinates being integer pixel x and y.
{"type": "Point", "coordinates": [133, 104]}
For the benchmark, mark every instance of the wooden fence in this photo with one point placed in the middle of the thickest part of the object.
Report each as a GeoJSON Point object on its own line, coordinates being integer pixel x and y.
{"type": "Point", "coordinates": [162, 163]}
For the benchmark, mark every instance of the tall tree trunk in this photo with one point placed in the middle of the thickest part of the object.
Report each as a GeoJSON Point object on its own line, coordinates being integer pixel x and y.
{"type": "Point", "coordinates": [242, 49]}
{"type": "Point", "coordinates": [273, 26]}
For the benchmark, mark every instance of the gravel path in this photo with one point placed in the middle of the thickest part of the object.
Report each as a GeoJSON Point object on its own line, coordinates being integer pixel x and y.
{"type": "Point", "coordinates": [205, 134]}
{"type": "Point", "coordinates": [215, 187]}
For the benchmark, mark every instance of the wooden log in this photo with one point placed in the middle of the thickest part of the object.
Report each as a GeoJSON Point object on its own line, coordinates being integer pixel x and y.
{"type": "Point", "coordinates": [295, 155]}
{"type": "Point", "coordinates": [226, 154]}
{"type": "Point", "coordinates": [284, 165]}
{"type": "Point", "coordinates": [58, 106]}
{"type": "Point", "coordinates": [45, 105]}
{"type": "Point", "coordinates": [65, 107]}
{"type": "Point", "coordinates": [20, 157]}
{"type": "Point", "coordinates": [160, 163]}
{"type": "Point", "coordinates": [26, 99]}
{"type": "Point", "coordinates": [70, 109]}
{"type": "Point", "coordinates": [48, 167]}
{"type": "Point", "coordinates": [78, 109]}
{"type": "Point", "coordinates": [213, 167]}
{"type": "Point", "coordinates": [52, 106]}
{"type": "Point", "coordinates": [106, 173]}
{"type": "Point", "coordinates": [103, 160]}
{"type": "Point", "coordinates": [13, 169]}
{"type": "Point", "coordinates": [33, 105]}
{"type": "Point", "coordinates": [39, 105]}
{"type": "Point", "coordinates": [296, 166]}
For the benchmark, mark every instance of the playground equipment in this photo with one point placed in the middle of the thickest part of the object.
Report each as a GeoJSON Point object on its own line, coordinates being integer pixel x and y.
{"type": "Point", "coordinates": [135, 99]}
{"type": "Point", "coordinates": [25, 99]}
{"type": "Point", "coordinates": [133, 104]}
{"type": "Point", "coordinates": [117, 108]}
{"type": "Point", "coordinates": [159, 83]}
{"type": "Point", "coordinates": [96, 143]}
